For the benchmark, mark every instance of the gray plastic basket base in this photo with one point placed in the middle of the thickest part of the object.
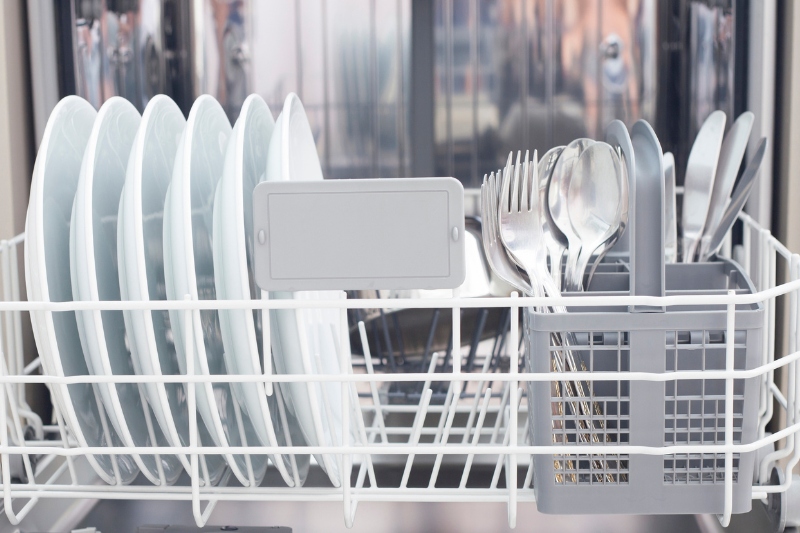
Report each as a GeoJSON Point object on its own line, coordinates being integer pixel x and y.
{"type": "Point", "coordinates": [613, 412]}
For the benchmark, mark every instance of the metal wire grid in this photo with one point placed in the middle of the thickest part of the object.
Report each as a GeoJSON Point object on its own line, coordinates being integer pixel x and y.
{"type": "Point", "coordinates": [53, 468]}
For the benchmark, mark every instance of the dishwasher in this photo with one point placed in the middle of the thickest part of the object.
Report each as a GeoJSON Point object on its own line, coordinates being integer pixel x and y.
{"type": "Point", "coordinates": [200, 333]}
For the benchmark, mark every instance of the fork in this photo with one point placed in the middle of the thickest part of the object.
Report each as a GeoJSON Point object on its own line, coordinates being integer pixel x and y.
{"type": "Point", "coordinates": [496, 253]}
{"type": "Point", "coordinates": [521, 224]}
{"type": "Point", "coordinates": [521, 233]}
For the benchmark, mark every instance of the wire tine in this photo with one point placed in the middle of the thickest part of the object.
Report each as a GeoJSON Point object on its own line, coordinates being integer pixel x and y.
{"type": "Point", "coordinates": [523, 199]}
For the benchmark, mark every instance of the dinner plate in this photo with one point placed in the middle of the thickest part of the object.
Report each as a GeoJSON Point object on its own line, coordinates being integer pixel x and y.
{"type": "Point", "coordinates": [141, 272]}
{"type": "Point", "coordinates": [189, 271]}
{"type": "Point", "coordinates": [47, 274]}
{"type": "Point", "coordinates": [245, 165]}
{"type": "Point", "coordinates": [303, 340]}
{"type": "Point", "coordinates": [95, 277]}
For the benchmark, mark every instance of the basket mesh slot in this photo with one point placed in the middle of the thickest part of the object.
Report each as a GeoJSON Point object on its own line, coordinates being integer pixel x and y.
{"type": "Point", "coordinates": [694, 409]}
{"type": "Point", "coordinates": [590, 412]}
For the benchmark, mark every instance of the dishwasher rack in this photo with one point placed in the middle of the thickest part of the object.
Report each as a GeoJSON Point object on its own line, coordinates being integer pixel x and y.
{"type": "Point", "coordinates": [482, 417]}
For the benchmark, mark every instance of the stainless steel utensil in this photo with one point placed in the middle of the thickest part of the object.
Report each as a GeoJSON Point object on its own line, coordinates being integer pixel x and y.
{"type": "Point", "coordinates": [495, 251]}
{"type": "Point", "coordinates": [596, 201]}
{"type": "Point", "coordinates": [555, 241]}
{"type": "Point", "coordinates": [740, 195]}
{"type": "Point", "coordinates": [700, 171]}
{"type": "Point", "coordinates": [670, 211]}
{"type": "Point", "coordinates": [557, 194]}
{"type": "Point", "coordinates": [520, 224]}
{"type": "Point", "coordinates": [617, 136]}
{"type": "Point", "coordinates": [730, 159]}
{"type": "Point", "coordinates": [623, 222]}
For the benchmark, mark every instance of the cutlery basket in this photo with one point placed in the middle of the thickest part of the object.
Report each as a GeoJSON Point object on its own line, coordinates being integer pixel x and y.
{"type": "Point", "coordinates": [655, 414]}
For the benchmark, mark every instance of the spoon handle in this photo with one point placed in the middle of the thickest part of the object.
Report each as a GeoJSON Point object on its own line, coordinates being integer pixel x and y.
{"type": "Point", "coordinates": [571, 281]}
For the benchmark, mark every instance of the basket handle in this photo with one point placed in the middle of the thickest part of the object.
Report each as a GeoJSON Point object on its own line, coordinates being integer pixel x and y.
{"type": "Point", "coordinates": [647, 216]}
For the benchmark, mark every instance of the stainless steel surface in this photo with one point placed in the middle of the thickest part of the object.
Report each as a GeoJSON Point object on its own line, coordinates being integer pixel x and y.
{"type": "Point", "coordinates": [558, 193]}
{"type": "Point", "coordinates": [617, 136]}
{"type": "Point", "coordinates": [520, 222]}
{"type": "Point", "coordinates": [670, 211]}
{"type": "Point", "coordinates": [738, 198]}
{"type": "Point", "coordinates": [555, 241]}
{"type": "Point", "coordinates": [730, 159]}
{"type": "Point", "coordinates": [504, 74]}
{"type": "Point", "coordinates": [375, 517]}
{"type": "Point", "coordinates": [496, 253]}
{"type": "Point", "coordinates": [699, 180]}
{"type": "Point", "coordinates": [597, 204]}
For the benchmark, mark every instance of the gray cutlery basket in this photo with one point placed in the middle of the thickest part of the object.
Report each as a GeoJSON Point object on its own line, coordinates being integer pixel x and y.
{"type": "Point", "coordinates": [649, 413]}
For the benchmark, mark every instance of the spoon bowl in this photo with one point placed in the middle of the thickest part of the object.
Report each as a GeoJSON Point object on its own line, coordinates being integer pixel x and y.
{"type": "Point", "coordinates": [596, 203]}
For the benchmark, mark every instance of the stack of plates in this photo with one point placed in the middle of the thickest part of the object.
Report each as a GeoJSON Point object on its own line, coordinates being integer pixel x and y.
{"type": "Point", "coordinates": [157, 207]}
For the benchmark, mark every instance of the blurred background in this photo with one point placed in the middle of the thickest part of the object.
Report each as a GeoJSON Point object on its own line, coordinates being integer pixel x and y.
{"type": "Point", "coordinates": [413, 87]}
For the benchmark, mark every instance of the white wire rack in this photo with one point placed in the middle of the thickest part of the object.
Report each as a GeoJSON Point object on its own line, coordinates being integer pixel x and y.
{"type": "Point", "coordinates": [482, 419]}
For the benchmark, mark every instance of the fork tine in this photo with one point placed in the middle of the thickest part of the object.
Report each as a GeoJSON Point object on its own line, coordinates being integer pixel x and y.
{"type": "Point", "coordinates": [489, 207]}
{"type": "Point", "coordinates": [535, 181]}
{"type": "Point", "coordinates": [505, 188]}
{"type": "Point", "coordinates": [515, 185]}
{"type": "Point", "coordinates": [491, 197]}
{"type": "Point", "coordinates": [523, 199]}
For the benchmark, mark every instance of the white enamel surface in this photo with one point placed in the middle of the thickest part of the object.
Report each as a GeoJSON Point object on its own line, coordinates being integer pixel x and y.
{"type": "Point", "coordinates": [95, 277]}
{"type": "Point", "coordinates": [47, 268]}
{"type": "Point", "coordinates": [189, 270]}
{"type": "Point", "coordinates": [302, 339]}
{"type": "Point", "coordinates": [245, 166]}
{"type": "Point", "coordinates": [141, 270]}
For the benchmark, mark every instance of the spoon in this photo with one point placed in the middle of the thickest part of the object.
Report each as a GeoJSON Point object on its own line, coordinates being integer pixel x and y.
{"type": "Point", "coordinates": [557, 194]}
{"type": "Point", "coordinates": [595, 204]}
{"type": "Point", "coordinates": [623, 220]}
{"type": "Point", "coordinates": [554, 239]}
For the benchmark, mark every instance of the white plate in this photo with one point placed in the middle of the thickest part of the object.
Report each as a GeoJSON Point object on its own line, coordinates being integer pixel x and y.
{"type": "Point", "coordinates": [245, 164]}
{"type": "Point", "coordinates": [303, 341]}
{"type": "Point", "coordinates": [47, 274]}
{"type": "Point", "coordinates": [189, 270]}
{"type": "Point", "coordinates": [141, 271]}
{"type": "Point", "coordinates": [93, 268]}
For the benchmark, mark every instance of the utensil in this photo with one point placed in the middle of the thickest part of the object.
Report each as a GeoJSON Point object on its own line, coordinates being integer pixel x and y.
{"type": "Point", "coordinates": [95, 277]}
{"type": "Point", "coordinates": [699, 181]}
{"type": "Point", "coordinates": [730, 159]}
{"type": "Point", "coordinates": [670, 220]}
{"type": "Point", "coordinates": [520, 225]}
{"type": "Point", "coordinates": [47, 279]}
{"type": "Point", "coordinates": [557, 195]}
{"type": "Point", "coordinates": [555, 241]}
{"type": "Point", "coordinates": [496, 253]}
{"type": "Point", "coordinates": [623, 222]}
{"type": "Point", "coordinates": [617, 136]}
{"type": "Point", "coordinates": [739, 197]}
{"type": "Point", "coordinates": [597, 202]}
